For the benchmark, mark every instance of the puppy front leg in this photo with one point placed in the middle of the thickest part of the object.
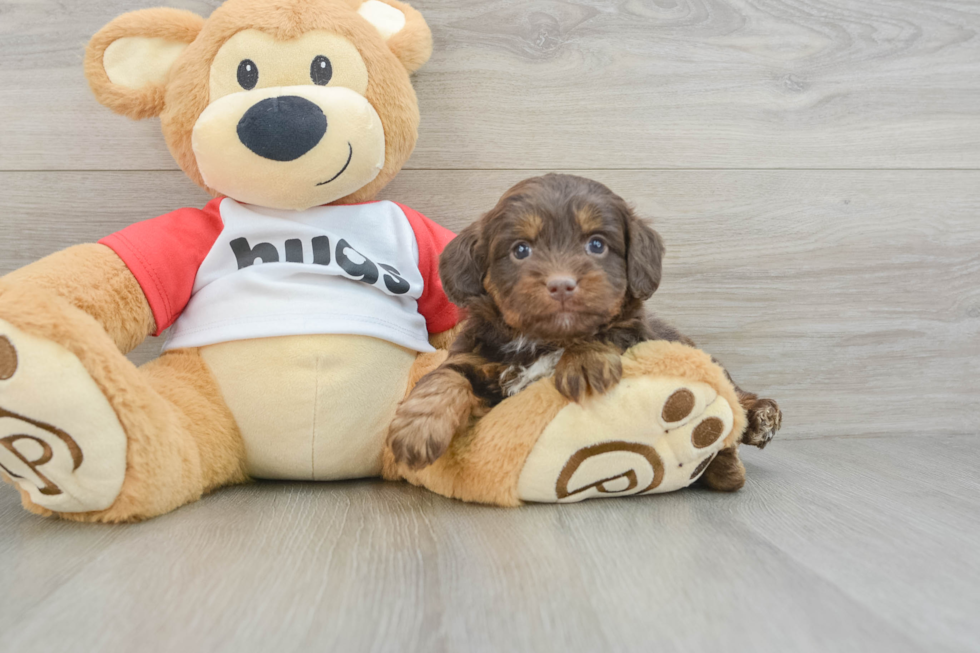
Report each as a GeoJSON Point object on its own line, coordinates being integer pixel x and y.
{"type": "Point", "coordinates": [439, 406]}
{"type": "Point", "coordinates": [588, 368]}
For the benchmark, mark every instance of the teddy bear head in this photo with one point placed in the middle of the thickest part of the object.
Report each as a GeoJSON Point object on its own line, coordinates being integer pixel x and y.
{"type": "Point", "coordinates": [286, 104]}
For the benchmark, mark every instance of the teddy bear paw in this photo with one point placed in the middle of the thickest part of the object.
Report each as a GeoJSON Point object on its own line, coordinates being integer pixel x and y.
{"type": "Point", "coordinates": [60, 440]}
{"type": "Point", "coordinates": [667, 431]}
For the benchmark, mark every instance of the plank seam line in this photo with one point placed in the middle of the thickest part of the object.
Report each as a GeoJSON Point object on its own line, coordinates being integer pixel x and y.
{"type": "Point", "coordinates": [878, 436]}
{"type": "Point", "coordinates": [564, 169]}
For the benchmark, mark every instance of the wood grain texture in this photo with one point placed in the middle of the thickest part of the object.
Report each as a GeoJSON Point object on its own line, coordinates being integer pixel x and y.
{"type": "Point", "coordinates": [851, 297]}
{"type": "Point", "coordinates": [876, 552]}
{"type": "Point", "coordinates": [661, 84]}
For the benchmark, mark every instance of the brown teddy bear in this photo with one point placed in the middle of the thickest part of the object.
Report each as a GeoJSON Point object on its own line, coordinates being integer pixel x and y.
{"type": "Point", "coordinates": [301, 309]}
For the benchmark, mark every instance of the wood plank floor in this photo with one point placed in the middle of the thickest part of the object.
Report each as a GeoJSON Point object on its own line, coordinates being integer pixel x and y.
{"type": "Point", "coordinates": [814, 167]}
{"type": "Point", "coordinates": [838, 544]}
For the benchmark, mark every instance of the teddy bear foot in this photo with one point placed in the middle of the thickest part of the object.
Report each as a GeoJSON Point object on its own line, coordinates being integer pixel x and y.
{"type": "Point", "coordinates": [667, 432]}
{"type": "Point", "coordinates": [60, 440]}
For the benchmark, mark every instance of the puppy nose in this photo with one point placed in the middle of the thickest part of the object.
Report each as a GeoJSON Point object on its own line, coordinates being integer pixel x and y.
{"type": "Point", "coordinates": [561, 287]}
{"type": "Point", "coordinates": [282, 128]}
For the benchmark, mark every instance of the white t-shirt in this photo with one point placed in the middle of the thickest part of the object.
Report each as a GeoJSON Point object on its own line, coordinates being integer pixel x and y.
{"type": "Point", "coordinates": [236, 271]}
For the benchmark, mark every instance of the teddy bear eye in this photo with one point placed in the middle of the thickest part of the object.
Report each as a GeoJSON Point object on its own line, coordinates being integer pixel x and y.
{"type": "Point", "coordinates": [248, 74]}
{"type": "Point", "coordinates": [521, 250]}
{"type": "Point", "coordinates": [321, 71]}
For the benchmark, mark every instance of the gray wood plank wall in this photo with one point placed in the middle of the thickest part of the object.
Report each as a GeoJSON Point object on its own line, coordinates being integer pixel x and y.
{"type": "Point", "coordinates": [814, 167]}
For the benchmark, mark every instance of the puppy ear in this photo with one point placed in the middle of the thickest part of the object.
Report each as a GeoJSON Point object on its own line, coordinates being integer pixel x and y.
{"type": "Point", "coordinates": [644, 258]}
{"type": "Point", "coordinates": [403, 28]}
{"type": "Point", "coordinates": [128, 61]}
{"type": "Point", "coordinates": [462, 266]}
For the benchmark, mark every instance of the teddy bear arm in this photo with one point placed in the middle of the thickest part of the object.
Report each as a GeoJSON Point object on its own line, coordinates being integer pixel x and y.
{"type": "Point", "coordinates": [445, 339]}
{"type": "Point", "coordinates": [92, 278]}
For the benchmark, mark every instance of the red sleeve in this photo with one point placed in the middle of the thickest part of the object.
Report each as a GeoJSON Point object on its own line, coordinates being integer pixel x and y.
{"type": "Point", "coordinates": [164, 255]}
{"type": "Point", "coordinates": [440, 314]}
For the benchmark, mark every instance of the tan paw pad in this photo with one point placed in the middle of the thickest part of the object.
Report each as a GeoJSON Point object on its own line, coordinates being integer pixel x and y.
{"type": "Point", "coordinates": [60, 440]}
{"type": "Point", "coordinates": [647, 435]}
{"type": "Point", "coordinates": [8, 359]}
{"type": "Point", "coordinates": [678, 406]}
{"type": "Point", "coordinates": [707, 432]}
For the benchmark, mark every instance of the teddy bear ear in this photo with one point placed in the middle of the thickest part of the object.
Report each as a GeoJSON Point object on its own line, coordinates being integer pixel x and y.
{"type": "Point", "coordinates": [128, 61]}
{"type": "Point", "coordinates": [403, 28]}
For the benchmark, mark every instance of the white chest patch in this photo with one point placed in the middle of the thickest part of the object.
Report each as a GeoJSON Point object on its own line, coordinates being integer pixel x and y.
{"type": "Point", "coordinates": [516, 378]}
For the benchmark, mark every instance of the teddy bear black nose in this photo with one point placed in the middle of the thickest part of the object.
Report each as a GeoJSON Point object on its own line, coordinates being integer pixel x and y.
{"type": "Point", "coordinates": [282, 128]}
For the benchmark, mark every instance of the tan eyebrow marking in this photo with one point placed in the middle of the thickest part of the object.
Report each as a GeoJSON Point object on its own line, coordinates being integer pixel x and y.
{"type": "Point", "coordinates": [530, 226]}
{"type": "Point", "coordinates": [589, 219]}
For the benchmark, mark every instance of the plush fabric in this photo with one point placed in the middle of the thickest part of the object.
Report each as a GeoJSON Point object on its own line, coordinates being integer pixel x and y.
{"type": "Point", "coordinates": [487, 464]}
{"type": "Point", "coordinates": [170, 411]}
{"type": "Point", "coordinates": [389, 90]}
{"type": "Point", "coordinates": [163, 24]}
{"type": "Point", "coordinates": [164, 254]}
{"type": "Point", "coordinates": [93, 279]}
{"type": "Point", "coordinates": [124, 61]}
{"type": "Point", "coordinates": [70, 471]}
{"type": "Point", "coordinates": [333, 398]}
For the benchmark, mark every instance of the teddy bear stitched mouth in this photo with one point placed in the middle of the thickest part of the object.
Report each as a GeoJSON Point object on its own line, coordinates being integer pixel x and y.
{"type": "Point", "coordinates": [350, 155]}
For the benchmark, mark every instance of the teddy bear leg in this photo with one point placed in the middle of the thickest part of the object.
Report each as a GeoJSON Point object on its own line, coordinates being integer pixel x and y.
{"type": "Point", "coordinates": [189, 442]}
{"type": "Point", "coordinates": [725, 472]}
{"type": "Point", "coordinates": [674, 414]}
{"type": "Point", "coordinates": [86, 436]}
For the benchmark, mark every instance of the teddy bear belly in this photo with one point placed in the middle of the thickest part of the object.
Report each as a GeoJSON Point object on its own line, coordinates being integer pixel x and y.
{"type": "Point", "coordinates": [312, 407]}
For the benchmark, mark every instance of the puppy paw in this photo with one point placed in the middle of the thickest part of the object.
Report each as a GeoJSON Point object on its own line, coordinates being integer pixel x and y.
{"type": "Point", "coordinates": [591, 372]}
{"type": "Point", "coordinates": [417, 441]}
{"type": "Point", "coordinates": [425, 423]}
{"type": "Point", "coordinates": [765, 419]}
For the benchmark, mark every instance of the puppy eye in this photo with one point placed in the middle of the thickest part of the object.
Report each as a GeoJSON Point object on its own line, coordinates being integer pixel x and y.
{"type": "Point", "coordinates": [596, 246]}
{"type": "Point", "coordinates": [248, 74]}
{"type": "Point", "coordinates": [521, 250]}
{"type": "Point", "coordinates": [321, 71]}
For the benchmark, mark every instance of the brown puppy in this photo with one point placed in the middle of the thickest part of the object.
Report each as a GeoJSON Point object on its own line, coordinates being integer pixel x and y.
{"type": "Point", "coordinates": [553, 279]}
